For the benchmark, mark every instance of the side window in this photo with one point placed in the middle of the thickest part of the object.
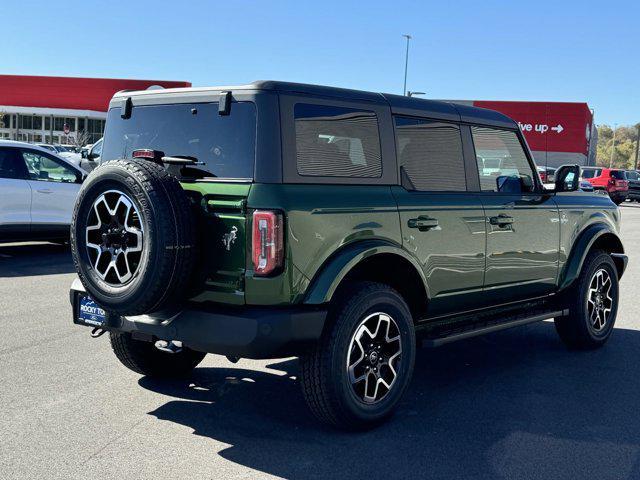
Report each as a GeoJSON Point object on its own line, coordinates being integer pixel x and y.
{"type": "Point", "coordinates": [48, 169]}
{"type": "Point", "coordinates": [430, 155]}
{"type": "Point", "coordinates": [96, 150]}
{"type": "Point", "coordinates": [590, 172]}
{"type": "Point", "coordinates": [337, 142]}
{"type": "Point", "coordinates": [11, 166]}
{"type": "Point", "coordinates": [502, 162]}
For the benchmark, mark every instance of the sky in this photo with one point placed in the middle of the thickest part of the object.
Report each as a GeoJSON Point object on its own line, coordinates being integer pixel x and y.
{"type": "Point", "coordinates": [562, 50]}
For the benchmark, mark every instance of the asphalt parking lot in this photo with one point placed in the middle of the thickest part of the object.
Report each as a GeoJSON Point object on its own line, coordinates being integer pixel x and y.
{"type": "Point", "coordinates": [515, 404]}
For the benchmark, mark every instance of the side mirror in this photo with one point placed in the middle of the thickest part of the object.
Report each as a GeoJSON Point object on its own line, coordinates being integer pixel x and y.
{"type": "Point", "coordinates": [92, 156]}
{"type": "Point", "coordinates": [509, 184]}
{"type": "Point", "coordinates": [568, 178]}
{"type": "Point", "coordinates": [83, 154]}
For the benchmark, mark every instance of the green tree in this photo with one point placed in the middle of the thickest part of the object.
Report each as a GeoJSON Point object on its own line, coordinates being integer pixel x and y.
{"type": "Point", "coordinates": [626, 138]}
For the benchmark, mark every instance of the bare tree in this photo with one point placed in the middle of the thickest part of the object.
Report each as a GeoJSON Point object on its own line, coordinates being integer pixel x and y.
{"type": "Point", "coordinates": [81, 139]}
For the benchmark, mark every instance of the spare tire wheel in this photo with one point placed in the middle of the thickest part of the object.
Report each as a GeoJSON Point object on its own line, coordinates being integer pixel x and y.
{"type": "Point", "coordinates": [132, 237]}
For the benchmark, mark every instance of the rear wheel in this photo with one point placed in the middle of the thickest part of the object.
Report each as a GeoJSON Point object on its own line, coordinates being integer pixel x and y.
{"type": "Point", "coordinates": [359, 370]}
{"type": "Point", "coordinates": [593, 304]}
{"type": "Point", "coordinates": [144, 358]}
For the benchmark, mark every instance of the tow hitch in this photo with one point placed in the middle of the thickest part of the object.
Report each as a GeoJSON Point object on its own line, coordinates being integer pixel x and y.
{"type": "Point", "coordinates": [97, 332]}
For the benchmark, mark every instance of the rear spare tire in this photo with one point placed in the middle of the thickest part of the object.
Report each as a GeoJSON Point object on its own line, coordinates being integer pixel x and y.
{"type": "Point", "coordinates": [132, 237]}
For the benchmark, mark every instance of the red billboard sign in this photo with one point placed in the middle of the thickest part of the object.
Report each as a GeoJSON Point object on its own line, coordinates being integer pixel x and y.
{"type": "Point", "coordinates": [549, 126]}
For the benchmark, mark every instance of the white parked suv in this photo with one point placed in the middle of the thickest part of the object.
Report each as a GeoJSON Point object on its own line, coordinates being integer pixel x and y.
{"type": "Point", "coordinates": [38, 189]}
{"type": "Point", "coordinates": [63, 151]}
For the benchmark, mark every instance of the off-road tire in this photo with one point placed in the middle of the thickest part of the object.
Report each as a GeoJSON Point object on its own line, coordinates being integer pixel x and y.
{"type": "Point", "coordinates": [325, 382]}
{"type": "Point", "coordinates": [576, 329]}
{"type": "Point", "coordinates": [169, 240]}
{"type": "Point", "coordinates": [144, 358]}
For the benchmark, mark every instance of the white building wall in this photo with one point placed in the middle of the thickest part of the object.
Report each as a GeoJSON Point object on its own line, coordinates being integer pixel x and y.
{"type": "Point", "coordinates": [47, 124]}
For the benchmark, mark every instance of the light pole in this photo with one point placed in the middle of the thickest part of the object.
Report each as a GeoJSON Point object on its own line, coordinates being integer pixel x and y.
{"type": "Point", "coordinates": [406, 64]}
{"type": "Point", "coordinates": [635, 165]}
{"type": "Point", "coordinates": [613, 147]}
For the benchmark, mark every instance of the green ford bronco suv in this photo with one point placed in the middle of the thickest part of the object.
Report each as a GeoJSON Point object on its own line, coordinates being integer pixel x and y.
{"type": "Point", "coordinates": [278, 219]}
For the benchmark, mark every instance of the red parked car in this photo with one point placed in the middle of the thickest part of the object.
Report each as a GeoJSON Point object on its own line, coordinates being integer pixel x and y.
{"type": "Point", "coordinates": [613, 181]}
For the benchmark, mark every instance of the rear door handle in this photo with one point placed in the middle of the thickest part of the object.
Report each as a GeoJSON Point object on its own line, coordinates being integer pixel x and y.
{"type": "Point", "coordinates": [44, 190]}
{"type": "Point", "coordinates": [501, 220]}
{"type": "Point", "coordinates": [423, 223]}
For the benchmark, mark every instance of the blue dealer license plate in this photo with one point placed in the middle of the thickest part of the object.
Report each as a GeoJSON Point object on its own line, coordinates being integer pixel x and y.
{"type": "Point", "coordinates": [90, 314]}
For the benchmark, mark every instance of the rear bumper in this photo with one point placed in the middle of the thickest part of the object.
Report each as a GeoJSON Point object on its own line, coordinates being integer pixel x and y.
{"type": "Point", "coordinates": [618, 195]}
{"type": "Point", "coordinates": [634, 194]}
{"type": "Point", "coordinates": [247, 332]}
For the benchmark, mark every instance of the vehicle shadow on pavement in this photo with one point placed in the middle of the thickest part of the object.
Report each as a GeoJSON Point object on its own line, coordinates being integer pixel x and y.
{"type": "Point", "coordinates": [514, 404]}
{"type": "Point", "coordinates": [31, 259]}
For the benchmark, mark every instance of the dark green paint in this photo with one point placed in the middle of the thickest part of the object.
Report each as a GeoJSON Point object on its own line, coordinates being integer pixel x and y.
{"type": "Point", "coordinates": [463, 259]}
{"type": "Point", "coordinates": [221, 211]}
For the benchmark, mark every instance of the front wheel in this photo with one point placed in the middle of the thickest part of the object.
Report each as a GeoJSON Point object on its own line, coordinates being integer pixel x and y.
{"type": "Point", "coordinates": [359, 370]}
{"type": "Point", "coordinates": [593, 304]}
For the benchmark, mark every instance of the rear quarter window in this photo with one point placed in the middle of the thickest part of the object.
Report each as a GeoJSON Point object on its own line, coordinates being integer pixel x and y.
{"type": "Point", "coordinates": [336, 142]}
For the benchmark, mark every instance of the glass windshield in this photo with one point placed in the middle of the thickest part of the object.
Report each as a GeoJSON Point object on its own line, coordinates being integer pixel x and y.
{"type": "Point", "coordinates": [618, 174]}
{"type": "Point", "coordinates": [632, 175]}
{"type": "Point", "coordinates": [224, 143]}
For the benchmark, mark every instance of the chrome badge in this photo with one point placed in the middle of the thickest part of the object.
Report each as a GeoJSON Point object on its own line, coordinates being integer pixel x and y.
{"type": "Point", "coordinates": [229, 238]}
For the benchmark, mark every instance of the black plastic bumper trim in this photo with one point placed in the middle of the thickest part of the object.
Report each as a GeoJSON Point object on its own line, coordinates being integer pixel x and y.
{"type": "Point", "coordinates": [247, 332]}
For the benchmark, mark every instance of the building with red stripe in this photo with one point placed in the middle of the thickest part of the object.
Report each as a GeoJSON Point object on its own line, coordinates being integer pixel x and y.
{"type": "Point", "coordinates": [56, 109]}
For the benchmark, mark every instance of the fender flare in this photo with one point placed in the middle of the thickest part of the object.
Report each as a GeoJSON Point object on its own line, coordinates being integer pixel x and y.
{"type": "Point", "coordinates": [581, 248]}
{"type": "Point", "coordinates": [336, 267]}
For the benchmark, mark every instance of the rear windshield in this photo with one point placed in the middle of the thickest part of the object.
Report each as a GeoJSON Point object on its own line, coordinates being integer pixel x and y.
{"type": "Point", "coordinates": [619, 174]}
{"type": "Point", "coordinates": [632, 175]}
{"type": "Point", "coordinates": [224, 143]}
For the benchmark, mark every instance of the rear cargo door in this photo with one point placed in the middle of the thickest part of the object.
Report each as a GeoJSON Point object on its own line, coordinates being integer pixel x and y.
{"type": "Point", "coordinates": [222, 221]}
{"type": "Point", "coordinates": [221, 146]}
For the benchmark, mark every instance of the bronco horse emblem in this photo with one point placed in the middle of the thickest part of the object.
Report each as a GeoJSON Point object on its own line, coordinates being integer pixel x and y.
{"type": "Point", "coordinates": [229, 238]}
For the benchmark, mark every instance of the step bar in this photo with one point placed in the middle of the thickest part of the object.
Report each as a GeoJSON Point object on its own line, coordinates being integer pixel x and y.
{"type": "Point", "coordinates": [475, 332]}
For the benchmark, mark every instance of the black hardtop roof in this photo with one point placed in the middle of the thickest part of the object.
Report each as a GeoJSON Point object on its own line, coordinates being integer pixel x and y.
{"type": "Point", "coordinates": [399, 104]}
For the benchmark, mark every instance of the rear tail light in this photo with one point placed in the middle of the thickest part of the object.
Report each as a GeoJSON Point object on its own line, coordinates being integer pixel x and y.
{"type": "Point", "coordinates": [155, 155]}
{"type": "Point", "coordinates": [267, 245]}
